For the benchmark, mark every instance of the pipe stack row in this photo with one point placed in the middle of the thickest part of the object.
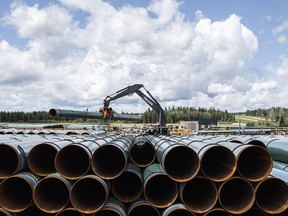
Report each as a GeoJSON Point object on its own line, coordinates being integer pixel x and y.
{"type": "Point", "coordinates": [137, 175]}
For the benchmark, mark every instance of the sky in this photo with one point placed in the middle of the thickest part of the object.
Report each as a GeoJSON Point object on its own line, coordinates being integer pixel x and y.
{"type": "Point", "coordinates": [69, 54]}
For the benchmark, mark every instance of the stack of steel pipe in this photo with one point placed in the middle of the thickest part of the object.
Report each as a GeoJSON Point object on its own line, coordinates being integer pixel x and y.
{"type": "Point", "coordinates": [134, 175]}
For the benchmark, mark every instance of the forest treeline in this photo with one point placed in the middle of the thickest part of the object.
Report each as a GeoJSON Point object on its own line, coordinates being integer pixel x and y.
{"type": "Point", "coordinates": [173, 115]}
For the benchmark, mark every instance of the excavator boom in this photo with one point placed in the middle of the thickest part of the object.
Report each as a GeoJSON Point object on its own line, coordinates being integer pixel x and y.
{"type": "Point", "coordinates": [149, 99]}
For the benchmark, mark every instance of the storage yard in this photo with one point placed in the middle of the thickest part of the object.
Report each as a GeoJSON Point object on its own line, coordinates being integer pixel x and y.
{"type": "Point", "coordinates": [92, 172]}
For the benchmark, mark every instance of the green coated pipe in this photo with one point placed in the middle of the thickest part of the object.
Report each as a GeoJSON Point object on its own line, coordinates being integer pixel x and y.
{"type": "Point", "coordinates": [178, 161]}
{"type": "Point", "coordinates": [95, 115]}
{"type": "Point", "coordinates": [253, 162]}
{"type": "Point", "coordinates": [281, 174]}
{"type": "Point", "coordinates": [51, 193]}
{"type": "Point", "coordinates": [142, 152]}
{"type": "Point", "coordinates": [218, 163]}
{"type": "Point", "coordinates": [110, 159]}
{"type": "Point", "coordinates": [128, 186]}
{"type": "Point", "coordinates": [159, 189]}
{"type": "Point", "coordinates": [89, 194]}
{"type": "Point", "coordinates": [280, 165]}
{"type": "Point", "coordinates": [278, 148]}
{"type": "Point", "coordinates": [41, 157]}
{"type": "Point", "coordinates": [236, 195]}
{"type": "Point", "coordinates": [74, 161]}
{"type": "Point", "coordinates": [272, 195]}
{"type": "Point", "coordinates": [16, 192]}
{"type": "Point", "coordinates": [199, 195]}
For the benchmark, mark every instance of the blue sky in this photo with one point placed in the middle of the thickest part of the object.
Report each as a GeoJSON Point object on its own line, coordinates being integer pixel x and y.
{"type": "Point", "coordinates": [231, 54]}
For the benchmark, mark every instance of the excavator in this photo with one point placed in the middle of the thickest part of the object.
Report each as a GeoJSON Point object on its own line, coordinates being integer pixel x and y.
{"type": "Point", "coordinates": [149, 99]}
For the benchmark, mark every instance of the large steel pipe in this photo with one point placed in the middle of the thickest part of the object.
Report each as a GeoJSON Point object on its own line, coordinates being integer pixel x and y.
{"type": "Point", "coordinates": [199, 194]}
{"type": "Point", "coordinates": [51, 194]}
{"type": "Point", "coordinates": [41, 157]}
{"type": "Point", "coordinates": [12, 160]}
{"type": "Point", "coordinates": [272, 195]}
{"type": "Point", "coordinates": [112, 207]}
{"type": "Point", "coordinates": [95, 115]}
{"type": "Point", "coordinates": [142, 152]}
{"type": "Point", "coordinates": [253, 162]}
{"type": "Point", "coordinates": [262, 141]}
{"type": "Point", "coordinates": [128, 186]}
{"type": "Point", "coordinates": [16, 192]}
{"type": "Point", "coordinates": [236, 195]}
{"type": "Point", "coordinates": [13, 154]}
{"type": "Point", "coordinates": [280, 165]}
{"type": "Point", "coordinates": [159, 189]}
{"type": "Point", "coordinates": [110, 160]}
{"type": "Point", "coordinates": [278, 148]}
{"type": "Point", "coordinates": [142, 207]}
{"type": "Point", "coordinates": [218, 163]}
{"type": "Point", "coordinates": [73, 161]}
{"type": "Point", "coordinates": [89, 194]}
{"type": "Point", "coordinates": [281, 174]}
{"type": "Point", "coordinates": [178, 161]}
{"type": "Point", "coordinates": [177, 209]}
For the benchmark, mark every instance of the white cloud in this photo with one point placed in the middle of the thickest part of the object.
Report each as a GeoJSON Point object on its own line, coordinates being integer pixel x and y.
{"type": "Point", "coordinates": [280, 32]}
{"type": "Point", "coordinates": [282, 39]}
{"type": "Point", "coordinates": [180, 62]}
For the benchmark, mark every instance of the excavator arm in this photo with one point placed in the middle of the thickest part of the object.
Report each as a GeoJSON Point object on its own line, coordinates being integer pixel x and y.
{"type": "Point", "coordinates": [149, 99]}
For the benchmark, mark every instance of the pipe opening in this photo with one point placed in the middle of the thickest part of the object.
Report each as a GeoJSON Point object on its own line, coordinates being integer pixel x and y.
{"type": "Point", "coordinates": [41, 159]}
{"type": "Point", "coordinates": [108, 161]}
{"type": "Point", "coordinates": [142, 153]}
{"type": "Point", "coordinates": [16, 194]}
{"type": "Point", "coordinates": [88, 195]}
{"type": "Point", "coordinates": [199, 194]}
{"type": "Point", "coordinates": [72, 161]}
{"type": "Point", "coordinates": [52, 112]}
{"type": "Point", "coordinates": [236, 195]}
{"type": "Point", "coordinates": [127, 187]}
{"type": "Point", "coordinates": [272, 195]}
{"type": "Point", "coordinates": [218, 163]}
{"type": "Point", "coordinates": [181, 163]}
{"type": "Point", "coordinates": [255, 163]}
{"type": "Point", "coordinates": [9, 161]}
{"type": "Point", "coordinates": [51, 195]}
{"type": "Point", "coordinates": [160, 190]}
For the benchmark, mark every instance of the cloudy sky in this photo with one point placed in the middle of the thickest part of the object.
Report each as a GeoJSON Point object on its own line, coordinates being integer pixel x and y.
{"type": "Point", "coordinates": [71, 54]}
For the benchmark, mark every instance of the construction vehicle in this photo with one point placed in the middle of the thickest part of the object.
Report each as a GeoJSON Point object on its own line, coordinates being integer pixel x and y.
{"type": "Point", "coordinates": [149, 99]}
{"type": "Point", "coordinates": [180, 130]}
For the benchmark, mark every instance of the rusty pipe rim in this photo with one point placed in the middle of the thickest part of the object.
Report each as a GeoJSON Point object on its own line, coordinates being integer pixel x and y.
{"type": "Point", "coordinates": [272, 195]}
{"type": "Point", "coordinates": [229, 195]}
{"type": "Point", "coordinates": [199, 195]}
{"type": "Point", "coordinates": [181, 163]}
{"type": "Point", "coordinates": [89, 194]}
